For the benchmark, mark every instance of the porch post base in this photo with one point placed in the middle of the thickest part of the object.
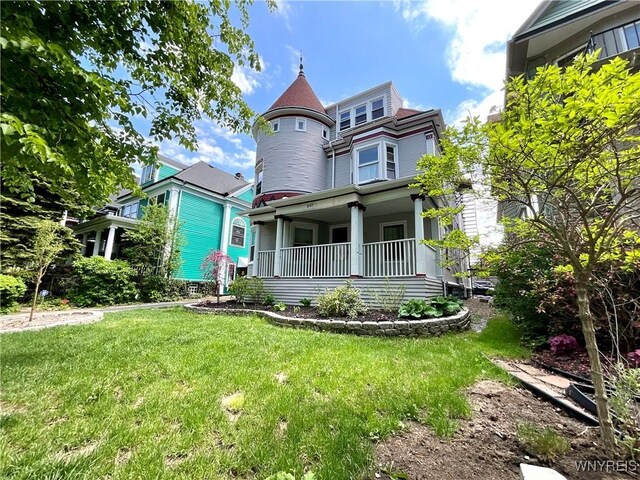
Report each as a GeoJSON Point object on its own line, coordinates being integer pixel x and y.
{"type": "Point", "coordinates": [356, 276]}
{"type": "Point", "coordinates": [276, 276]}
{"type": "Point", "coordinates": [421, 275]}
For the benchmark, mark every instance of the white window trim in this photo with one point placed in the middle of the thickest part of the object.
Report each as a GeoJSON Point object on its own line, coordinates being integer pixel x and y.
{"type": "Point", "coordinates": [325, 133]}
{"type": "Point", "coordinates": [275, 126]}
{"type": "Point", "coordinates": [382, 160]}
{"type": "Point", "coordinates": [391, 224]}
{"type": "Point", "coordinates": [349, 111]}
{"type": "Point", "coordinates": [259, 182]}
{"type": "Point", "coordinates": [304, 122]}
{"type": "Point", "coordinates": [367, 114]}
{"type": "Point", "coordinates": [305, 225]}
{"type": "Point", "coordinates": [370, 108]}
{"type": "Point", "coordinates": [341, 225]}
{"type": "Point", "coordinates": [395, 159]}
{"type": "Point", "coordinates": [244, 235]}
{"type": "Point", "coordinates": [154, 175]}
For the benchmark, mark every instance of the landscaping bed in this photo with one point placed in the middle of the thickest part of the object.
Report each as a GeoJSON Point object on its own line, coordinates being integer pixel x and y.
{"type": "Point", "coordinates": [487, 445]}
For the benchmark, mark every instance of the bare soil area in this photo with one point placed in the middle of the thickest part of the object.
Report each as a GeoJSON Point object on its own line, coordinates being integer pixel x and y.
{"type": "Point", "coordinates": [46, 319]}
{"type": "Point", "coordinates": [486, 446]}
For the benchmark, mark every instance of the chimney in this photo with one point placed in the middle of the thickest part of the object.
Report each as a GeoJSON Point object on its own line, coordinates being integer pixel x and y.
{"type": "Point", "coordinates": [239, 176]}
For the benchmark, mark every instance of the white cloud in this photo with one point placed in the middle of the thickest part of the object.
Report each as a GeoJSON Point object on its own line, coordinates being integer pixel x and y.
{"type": "Point", "coordinates": [479, 31]}
{"type": "Point", "coordinates": [406, 103]}
{"type": "Point", "coordinates": [246, 78]}
{"type": "Point", "coordinates": [283, 10]}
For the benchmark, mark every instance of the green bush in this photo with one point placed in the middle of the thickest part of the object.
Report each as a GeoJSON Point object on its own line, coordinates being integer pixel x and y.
{"type": "Point", "coordinates": [268, 300]}
{"type": "Point", "coordinates": [240, 288]}
{"type": "Point", "coordinates": [153, 288]}
{"type": "Point", "coordinates": [11, 290]}
{"type": "Point", "coordinates": [257, 291]}
{"type": "Point", "coordinates": [97, 281]}
{"type": "Point", "coordinates": [343, 301]}
{"type": "Point", "coordinates": [305, 302]}
{"type": "Point", "coordinates": [431, 308]}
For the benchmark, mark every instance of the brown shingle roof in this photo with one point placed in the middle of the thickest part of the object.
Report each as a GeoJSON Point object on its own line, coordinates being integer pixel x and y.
{"type": "Point", "coordinates": [299, 94]}
{"type": "Point", "coordinates": [406, 112]}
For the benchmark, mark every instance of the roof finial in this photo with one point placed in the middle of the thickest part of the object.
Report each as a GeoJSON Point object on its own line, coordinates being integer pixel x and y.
{"type": "Point", "coordinates": [301, 66]}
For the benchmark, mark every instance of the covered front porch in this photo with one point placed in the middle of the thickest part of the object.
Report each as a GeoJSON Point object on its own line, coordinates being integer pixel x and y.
{"type": "Point", "coordinates": [360, 232]}
{"type": "Point", "coordinates": [102, 235]}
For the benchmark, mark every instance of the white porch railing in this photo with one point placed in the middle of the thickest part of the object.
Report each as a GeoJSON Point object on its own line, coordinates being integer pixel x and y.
{"type": "Point", "coordinates": [264, 263]}
{"type": "Point", "coordinates": [331, 260]}
{"type": "Point", "coordinates": [396, 258]}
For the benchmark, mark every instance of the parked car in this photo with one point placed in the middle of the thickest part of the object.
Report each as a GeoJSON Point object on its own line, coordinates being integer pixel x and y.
{"type": "Point", "coordinates": [483, 287]}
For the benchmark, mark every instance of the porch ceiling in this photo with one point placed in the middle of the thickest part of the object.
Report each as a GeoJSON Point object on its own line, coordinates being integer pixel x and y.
{"type": "Point", "coordinates": [375, 207]}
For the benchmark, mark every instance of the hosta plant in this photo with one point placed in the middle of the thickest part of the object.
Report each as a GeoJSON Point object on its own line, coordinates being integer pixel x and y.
{"type": "Point", "coordinates": [431, 308]}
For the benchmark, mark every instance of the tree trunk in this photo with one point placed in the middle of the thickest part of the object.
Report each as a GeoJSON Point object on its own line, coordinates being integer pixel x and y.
{"type": "Point", "coordinates": [584, 312]}
{"type": "Point", "coordinates": [35, 295]}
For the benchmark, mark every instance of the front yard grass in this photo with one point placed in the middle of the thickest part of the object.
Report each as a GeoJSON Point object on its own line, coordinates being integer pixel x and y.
{"type": "Point", "coordinates": [171, 394]}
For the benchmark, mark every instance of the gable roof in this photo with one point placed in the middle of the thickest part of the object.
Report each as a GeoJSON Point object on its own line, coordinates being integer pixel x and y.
{"type": "Point", "coordinates": [551, 13]}
{"type": "Point", "coordinates": [206, 176]}
{"type": "Point", "coordinates": [299, 94]}
{"type": "Point", "coordinates": [406, 112]}
{"type": "Point", "coordinates": [171, 162]}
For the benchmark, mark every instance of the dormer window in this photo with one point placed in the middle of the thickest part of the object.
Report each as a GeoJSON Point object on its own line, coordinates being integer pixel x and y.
{"type": "Point", "coordinates": [275, 125]}
{"type": "Point", "coordinates": [377, 108]}
{"type": "Point", "coordinates": [361, 114]}
{"type": "Point", "coordinates": [301, 124]}
{"type": "Point", "coordinates": [345, 120]}
{"type": "Point", "coordinates": [148, 174]}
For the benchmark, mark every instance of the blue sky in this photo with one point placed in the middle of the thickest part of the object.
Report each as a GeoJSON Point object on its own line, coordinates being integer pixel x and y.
{"type": "Point", "coordinates": [447, 54]}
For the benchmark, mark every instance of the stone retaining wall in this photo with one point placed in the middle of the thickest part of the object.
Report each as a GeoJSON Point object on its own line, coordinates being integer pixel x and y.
{"type": "Point", "coordinates": [396, 328]}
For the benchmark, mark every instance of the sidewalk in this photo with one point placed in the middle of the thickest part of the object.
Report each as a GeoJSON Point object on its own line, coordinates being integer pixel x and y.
{"type": "Point", "coordinates": [18, 322]}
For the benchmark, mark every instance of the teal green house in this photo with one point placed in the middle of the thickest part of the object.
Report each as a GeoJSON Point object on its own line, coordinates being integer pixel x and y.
{"type": "Point", "coordinates": [207, 202]}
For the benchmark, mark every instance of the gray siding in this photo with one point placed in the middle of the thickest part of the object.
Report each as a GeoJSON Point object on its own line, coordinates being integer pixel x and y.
{"type": "Point", "coordinates": [291, 290]}
{"type": "Point", "coordinates": [395, 101]}
{"type": "Point", "coordinates": [343, 170]}
{"type": "Point", "coordinates": [371, 227]}
{"type": "Point", "coordinates": [410, 150]}
{"type": "Point", "coordinates": [293, 161]}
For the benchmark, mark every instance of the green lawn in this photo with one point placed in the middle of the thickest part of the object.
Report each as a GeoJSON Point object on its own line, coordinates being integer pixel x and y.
{"type": "Point", "coordinates": [139, 395]}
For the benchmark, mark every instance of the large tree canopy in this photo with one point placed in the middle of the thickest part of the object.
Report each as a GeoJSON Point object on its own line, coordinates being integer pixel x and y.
{"type": "Point", "coordinates": [74, 73]}
{"type": "Point", "coordinates": [567, 152]}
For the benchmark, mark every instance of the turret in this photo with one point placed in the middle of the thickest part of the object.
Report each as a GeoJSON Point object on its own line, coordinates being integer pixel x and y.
{"type": "Point", "coordinates": [291, 160]}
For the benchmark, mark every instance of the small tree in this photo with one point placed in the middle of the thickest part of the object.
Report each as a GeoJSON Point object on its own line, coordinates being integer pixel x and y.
{"type": "Point", "coordinates": [47, 245]}
{"type": "Point", "coordinates": [213, 267]}
{"type": "Point", "coordinates": [155, 242]}
{"type": "Point", "coordinates": [567, 152]}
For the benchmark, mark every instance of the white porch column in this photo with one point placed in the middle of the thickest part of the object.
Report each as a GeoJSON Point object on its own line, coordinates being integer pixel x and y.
{"type": "Point", "coordinates": [278, 253]}
{"type": "Point", "coordinates": [110, 238]}
{"type": "Point", "coordinates": [224, 244]}
{"type": "Point", "coordinates": [256, 248]}
{"type": "Point", "coordinates": [357, 237]}
{"type": "Point", "coordinates": [421, 252]}
{"type": "Point", "coordinates": [83, 250]}
{"type": "Point", "coordinates": [96, 245]}
{"type": "Point", "coordinates": [173, 202]}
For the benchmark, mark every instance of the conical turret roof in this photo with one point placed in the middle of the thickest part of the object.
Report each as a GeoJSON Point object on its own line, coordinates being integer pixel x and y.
{"type": "Point", "coordinates": [300, 95]}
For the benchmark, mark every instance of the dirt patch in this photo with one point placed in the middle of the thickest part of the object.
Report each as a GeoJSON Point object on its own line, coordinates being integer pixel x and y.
{"type": "Point", "coordinates": [486, 447]}
{"type": "Point", "coordinates": [16, 323]}
{"type": "Point", "coordinates": [70, 453]}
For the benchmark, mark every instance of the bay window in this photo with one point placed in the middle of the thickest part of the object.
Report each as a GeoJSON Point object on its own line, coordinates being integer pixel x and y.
{"type": "Point", "coordinates": [368, 163]}
{"type": "Point", "coordinates": [376, 162]}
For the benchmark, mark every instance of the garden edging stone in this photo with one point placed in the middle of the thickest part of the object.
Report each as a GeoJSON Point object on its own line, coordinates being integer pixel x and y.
{"type": "Point", "coordinates": [402, 327]}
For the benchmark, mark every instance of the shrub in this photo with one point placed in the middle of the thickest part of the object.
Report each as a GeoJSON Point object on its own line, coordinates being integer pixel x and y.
{"type": "Point", "coordinates": [153, 288]}
{"type": "Point", "coordinates": [305, 302]}
{"type": "Point", "coordinates": [240, 288]}
{"type": "Point", "coordinates": [431, 308]}
{"type": "Point", "coordinates": [11, 290]}
{"type": "Point", "coordinates": [268, 300]}
{"type": "Point", "coordinates": [563, 344]}
{"type": "Point", "coordinates": [101, 282]}
{"type": "Point", "coordinates": [624, 402]}
{"type": "Point", "coordinates": [390, 297]}
{"type": "Point", "coordinates": [343, 301]}
{"type": "Point", "coordinates": [544, 443]}
{"type": "Point", "coordinates": [257, 290]}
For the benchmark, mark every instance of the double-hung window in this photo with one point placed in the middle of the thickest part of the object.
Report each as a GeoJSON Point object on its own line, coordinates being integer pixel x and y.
{"type": "Point", "coordinates": [275, 125]}
{"type": "Point", "coordinates": [130, 211]}
{"type": "Point", "coordinates": [238, 228]}
{"type": "Point", "coordinates": [361, 114]}
{"type": "Point", "coordinates": [301, 124]}
{"type": "Point", "coordinates": [345, 120]}
{"type": "Point", "coordinates": [391, 161]}
{"type": "Point", "coordinates": [377, 108]}
{"type": "Point", "coordinates": [368, 164]}
{"type": "Point", "coordinates": [148, 174]}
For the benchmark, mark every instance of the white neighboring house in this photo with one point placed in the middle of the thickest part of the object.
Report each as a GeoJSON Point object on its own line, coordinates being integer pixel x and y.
{"type": "Point", "coordinates": [333, 198]}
